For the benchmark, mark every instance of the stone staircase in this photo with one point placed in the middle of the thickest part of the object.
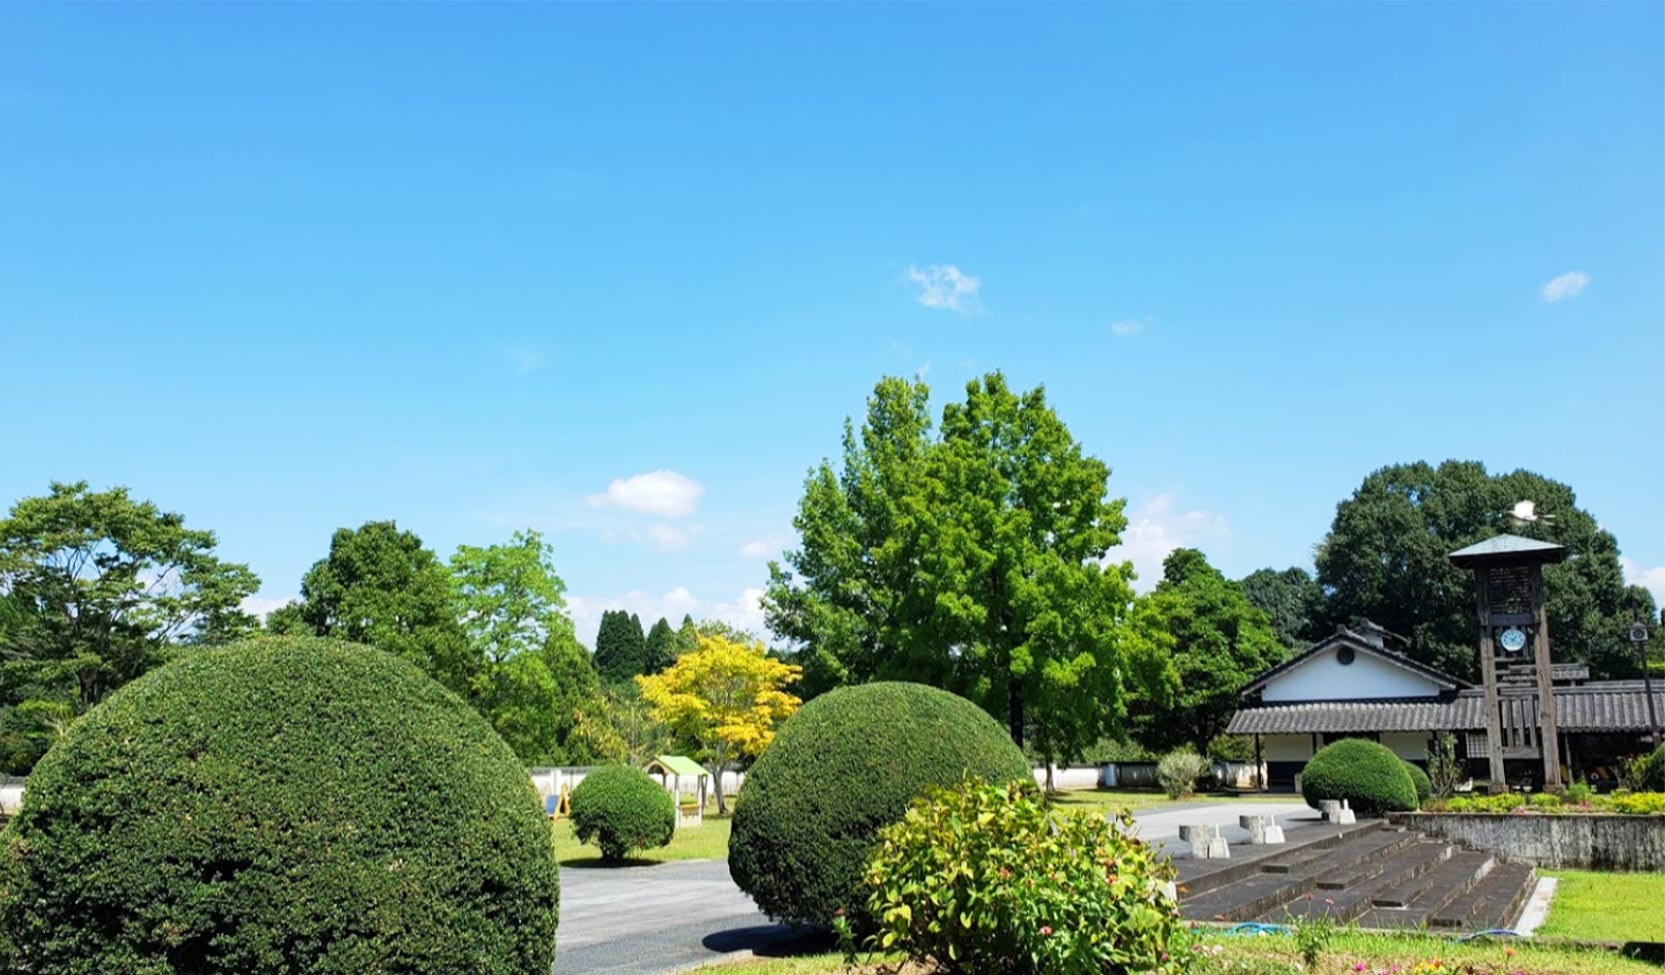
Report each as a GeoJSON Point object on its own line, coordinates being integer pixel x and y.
{"type": "Point", "coordinates": [1368, 874]}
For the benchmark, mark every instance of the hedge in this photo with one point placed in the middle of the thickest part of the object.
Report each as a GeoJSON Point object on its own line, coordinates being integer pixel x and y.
{"type": "Point", "coordinates": [289, 805]}
{"type": "Point", "coordinates": [846, 765]}
{"type": "Point", "coordinates": [620, 809]}
{"type": "Point", "coordinates": [1419, 781]}
{"type": "Point", "coordinates": [1368, 775]}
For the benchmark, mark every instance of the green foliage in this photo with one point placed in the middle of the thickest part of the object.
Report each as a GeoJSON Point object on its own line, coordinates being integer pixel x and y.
{"type": "Point", "coordinates": [1419, 779]}
{"type": "Point", "coordinates": [1639, 804]}
{"type": "Point", "coordinates": [1445, 770]}
{"type": "Point", "coordinates": [662, 649]}
{"type": "Point", "coordinates": [99, 588]}
{"type": "Point", "coordinates": [970, 559]}
{"type": "Point", "coordinates": [1622, 802]}
{"type": "Point", "coordinates": [1385, 559]}
{"type": "Point", "coordinates": [984, 879]}
{"type": "Point", "coordinates": [1179, 770]}
{"type": "Point", "coordinates": [1503, 802]}
{"type": "Point", "coordinates": [848, 763]}
{"type": "Point", "coordinates": [284, 804]}
{"type": "Point", "coordinates": [1545, 802]}
{"type": "Point", "coordinates": [381, 587]}
{"type": "Point", "coordinates": [1313, 935]}
{"type": "Point", "coordinates": [620, 647]}
{"type": "Point", "coordinates": [1653, 772]}
{"type": "Point", "coordinates": [1577, 794]}
{"type": "Point", "coordinates": [509, 598]}
{"type": "Point", "coordinates": [1220, 643]}
{"type": "Point", "coordinates": [1368, 775]}
{"type": "Point", "coordinates": [620, 809]}
{"type": "Point", "coordinates": [1291, 600]}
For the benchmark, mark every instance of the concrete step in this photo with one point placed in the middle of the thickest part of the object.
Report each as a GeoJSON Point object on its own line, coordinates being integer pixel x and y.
{"type": "Point", "coordinates": [1494, 902]}
{"type": "Point", "coordinates": [1198, 877]}
{"type": "Point", "coordinates": [1413, 903]}
{"type": "Point", "coordinates": [1365, 880]}
{"type": "Point", "coordinates": [1363, 858]}
{"type": "Point", "coordinates": [1289, 877]}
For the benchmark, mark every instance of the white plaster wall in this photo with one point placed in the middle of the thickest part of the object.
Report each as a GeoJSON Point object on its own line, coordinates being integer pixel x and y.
{"type": "Point", "coordinates": [1407, 744]}
{"type": "Point", "coordinates": [1286, 748]}
{"type": "Point", "coordinates": [1323, 678]}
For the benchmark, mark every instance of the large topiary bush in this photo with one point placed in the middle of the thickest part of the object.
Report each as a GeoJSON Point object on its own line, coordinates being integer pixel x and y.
{"type": "Point", "coordinates": [620, 809]}
{"type": "Point", "coordinates": [1368, 775]}
{"type": "Point", "coordinates": [842, 768]}
{"type": "Point", "coordinates": [1420, 782]}
{"type": "Point", "coordinates": [282, 805]}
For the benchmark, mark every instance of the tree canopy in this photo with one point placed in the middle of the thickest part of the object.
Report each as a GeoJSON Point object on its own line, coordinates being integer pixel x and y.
{"type": "Point", "coordinates": [1292, 600]}
{"type": "Point", "coordinates": [1219, 642]}
{"type": "Point", "coordinates": [971, 559]}
{"type": "Point", "coordinates": [97, 588]}
{"type": "Point", "coordinates": [1385, 559]}
{"type": "Point", "coordinates": [620, 647]}
{"type": "Point", "coordinates": [661, 649]}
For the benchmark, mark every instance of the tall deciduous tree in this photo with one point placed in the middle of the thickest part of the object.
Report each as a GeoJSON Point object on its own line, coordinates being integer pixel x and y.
{"type": "Point", "coordinates": [1292, 600]}
{"type": "Point", "coordinates": [620, 647]}
{"type": "Point", "coordinates": [98, 588]}
{"type": "Point", "coordinates": [380, 586]}
{"type": "Point", "coordinates": [726, 696]}
{"type": "Point", "coordinates": [973, 560]}
{"type": "Point", "coordinates": [1385, 559]}
{"type": "Point", "coordinates": [1220, 642]}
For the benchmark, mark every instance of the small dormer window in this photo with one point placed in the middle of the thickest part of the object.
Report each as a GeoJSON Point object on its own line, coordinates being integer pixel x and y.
{"type": "Point", "coordinates": [1344, 656]}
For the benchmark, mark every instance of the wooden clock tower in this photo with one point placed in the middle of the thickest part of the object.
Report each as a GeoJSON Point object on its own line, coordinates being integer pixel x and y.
{"type": "Point", "coordinates": [1514, 652]}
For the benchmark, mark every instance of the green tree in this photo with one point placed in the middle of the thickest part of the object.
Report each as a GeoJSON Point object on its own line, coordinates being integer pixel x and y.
{"type": "Point", "coordinates": [99, 588]}
{"type": "Point", "coordinates": [1220, 642]}
{"type": "Point", "coordinates": [1292, 600]}
{"type": "Point", "coordinates": [661, 647]}
{"type": "Point", "coordinates": [620, 647]}
{"type": "Point", "coordinates": [687, 635]}
{"type": "Point", "coordinates": [973, 560]}
{"type": "Point", "coordinates": [1385, 559]}
{"type": "Point", "coordinates": [380, 586]}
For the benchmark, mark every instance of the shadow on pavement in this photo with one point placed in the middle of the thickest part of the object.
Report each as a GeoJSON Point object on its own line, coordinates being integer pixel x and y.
{"type": "Point", "coordinates": [770, 940]}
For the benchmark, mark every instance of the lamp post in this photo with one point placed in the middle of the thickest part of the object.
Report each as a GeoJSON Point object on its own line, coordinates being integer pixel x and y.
{"type": "Point", "coordinates": [1639, 636]}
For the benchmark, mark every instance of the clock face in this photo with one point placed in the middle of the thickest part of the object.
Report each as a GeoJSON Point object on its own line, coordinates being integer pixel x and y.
{"type": "Point", "coordinates": [1513, 639]}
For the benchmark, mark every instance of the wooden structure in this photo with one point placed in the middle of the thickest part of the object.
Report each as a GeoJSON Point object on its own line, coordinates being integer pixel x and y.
{"type": "Point", "coordinates": [686, 780]}
{"type": "Point", "coordinates": [1515, 668]}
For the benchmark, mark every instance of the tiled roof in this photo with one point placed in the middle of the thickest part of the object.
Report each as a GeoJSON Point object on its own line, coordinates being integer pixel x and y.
{"type": "Point", "coordinates": [1342, 635]}
{"type": "Point", "coordinates": [1613, 706]}
{"type": "Point", "coordinates": [1510, 548]}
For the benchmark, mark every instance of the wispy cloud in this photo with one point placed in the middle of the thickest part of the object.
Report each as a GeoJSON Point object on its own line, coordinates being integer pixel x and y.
{"type": "Point", "coordinates": [667, 537]}
{"type": "Point", "coordinates": [663, 492]}
{"type": "Point", "coordinates": [1157, 527]}
{"type": "Point", "coordinates": [1129, 326]}
{"type": "Point", "coordinates": [764, 547]}
{"type": "Point", "coordinates": [1569, 285]}
{"type": "Point", "coordinates": [258, 605]}
{"type": "Point", "coordinates": [946, 286]}
{"type": "Point", "coordinates": [1652, 579]}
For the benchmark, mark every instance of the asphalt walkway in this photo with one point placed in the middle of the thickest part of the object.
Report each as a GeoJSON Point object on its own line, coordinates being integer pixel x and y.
{"type": "Point", "coordinates": [651, 920]}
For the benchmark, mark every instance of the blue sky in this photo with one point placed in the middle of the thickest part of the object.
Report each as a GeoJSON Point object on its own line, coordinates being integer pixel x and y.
{"type": "Point", "coordinates": [288, 268]}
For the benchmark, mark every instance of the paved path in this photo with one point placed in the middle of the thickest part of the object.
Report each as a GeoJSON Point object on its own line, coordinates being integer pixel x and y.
{"type": "Point", "coordinates": [673, 916]}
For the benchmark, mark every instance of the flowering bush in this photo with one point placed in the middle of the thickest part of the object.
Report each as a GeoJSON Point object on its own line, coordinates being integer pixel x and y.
{"type": "Point", "coordinates": [983, 879]}
{"type": "Point", "coordinates": [1624, 803]}
{"type": "Point", "coordinates": [1179, 770]}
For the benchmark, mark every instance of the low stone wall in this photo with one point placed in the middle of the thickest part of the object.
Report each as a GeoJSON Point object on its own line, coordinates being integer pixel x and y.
{"type": "Point", "coordinates": [1587, 841]}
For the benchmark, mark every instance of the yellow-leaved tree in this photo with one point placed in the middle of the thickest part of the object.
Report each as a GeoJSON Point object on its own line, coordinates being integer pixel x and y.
{"type": "Point", "coordinates": [725, 695]}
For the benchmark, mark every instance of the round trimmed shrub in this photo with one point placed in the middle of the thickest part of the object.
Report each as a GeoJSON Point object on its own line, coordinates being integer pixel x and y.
{"type": "Point", "coordinates": [1368, 775]}
{"type": "Point", "coordinates": [1419, 781]}
{"type": "Point", "coordinates": [289, 805]}
{"type": "Point", "coordinates": [620, 809]}
{"type": "Point", "coordinates": [842, 768]}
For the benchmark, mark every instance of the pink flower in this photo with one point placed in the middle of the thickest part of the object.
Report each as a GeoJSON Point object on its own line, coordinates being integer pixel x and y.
{"type": "Point", "coordinates": [1046, 930]}
{"type": "Point", "coordinates": [1359, 967]}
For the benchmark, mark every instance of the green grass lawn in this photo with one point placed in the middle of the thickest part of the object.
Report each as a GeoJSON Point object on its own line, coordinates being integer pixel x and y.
{"type": "Point", "coordinates": [707, 841]}
{"type": "Point", "coordinates": [1350, 949]}
{"type": "Point", "coordinates": [1108, 800]}
{"type": "Point", "coordinates": [1593, 906]}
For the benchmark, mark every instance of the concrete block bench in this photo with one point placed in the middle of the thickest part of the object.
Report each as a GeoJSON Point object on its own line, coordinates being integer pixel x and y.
{"type": "Point", "coordinates": [1263, 829]}
{"type": "Point", "coordinates": [1336, 811]}
{"type": "Point", "coordinates": [1206, 841]}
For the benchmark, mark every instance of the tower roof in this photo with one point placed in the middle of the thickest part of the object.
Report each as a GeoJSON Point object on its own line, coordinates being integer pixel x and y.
{"type": "Point", "coordinates": [1501, 549]}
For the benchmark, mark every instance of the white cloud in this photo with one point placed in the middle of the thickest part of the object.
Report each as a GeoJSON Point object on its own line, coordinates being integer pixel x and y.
{"type": "Point", "coordinates": [1156, 528]}
{"type": "Point", "coordinates": [765, 547]}
{"type": "Point", "coordinates": [1569, 285]}
{"type": "Point", "coordinates": [1652, 579]}
{"type": "Point", "coordinates": [670, 538]}
{"type": "Point", "coordinates": [744, 611]}
{"type": "Point", "coordinates": [258, 606]}
{"type": "Point", "coordinates": [662, 492]}
{"type": "Point", "coordinates": [1129, 326]}
{"type": "Point", "coordinates": [946, 286]}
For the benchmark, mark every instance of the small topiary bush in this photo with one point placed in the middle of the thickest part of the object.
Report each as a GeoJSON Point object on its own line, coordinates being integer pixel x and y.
{"type": "Point", "coordinates": [842, 768]}
{"type": "Point", "coordinates": [1419, 781]}
{"type": "Point", "coordinates": [1653, 771]}
{"type": "Point", "coordinates": [620, 809]}
{"type": "Point", "coordinates": [1368, 775]}
{"type": "Point", "coordinates": [983, 879]}
{"type": "Point", "coordinates": [289, 805]}
{"type": "Point", "coordinates": [1179, 770]}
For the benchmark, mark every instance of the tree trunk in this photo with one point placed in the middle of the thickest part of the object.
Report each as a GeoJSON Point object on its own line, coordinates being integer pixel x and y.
{"type": "Point", "coordinates": [717, 767]}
